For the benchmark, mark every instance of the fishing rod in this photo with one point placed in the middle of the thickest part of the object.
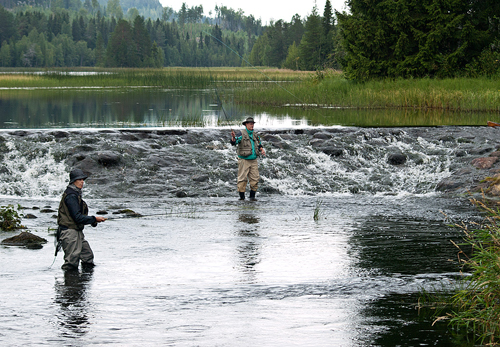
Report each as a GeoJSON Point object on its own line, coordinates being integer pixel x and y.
{"type": "Point", "coordinates": [246, 61]}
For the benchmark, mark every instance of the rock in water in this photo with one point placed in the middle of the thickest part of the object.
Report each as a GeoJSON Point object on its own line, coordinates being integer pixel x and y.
{"type": "Point", "coordinates": [26, 239]}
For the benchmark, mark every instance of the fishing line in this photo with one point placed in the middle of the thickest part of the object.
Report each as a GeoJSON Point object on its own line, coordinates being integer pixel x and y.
{"type": "Point", "coordinates": [219, 101]}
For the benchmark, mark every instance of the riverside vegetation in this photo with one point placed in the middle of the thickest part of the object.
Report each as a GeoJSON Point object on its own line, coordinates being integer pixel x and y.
{"type": "Point", "coordinates": [279, 87]}
{"type": "Point", "coordinates": [473, 307]}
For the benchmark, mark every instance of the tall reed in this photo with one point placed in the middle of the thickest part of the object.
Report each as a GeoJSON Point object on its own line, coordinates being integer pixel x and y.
{"type": "Point", "coordinates": [458, 94]}
{"type": "Point", "coordinates": [474, 306]}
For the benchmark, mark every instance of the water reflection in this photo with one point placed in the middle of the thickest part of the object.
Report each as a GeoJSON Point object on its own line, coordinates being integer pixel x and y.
{"type": "Point", "coordinates": [395, 321]}
{"type": "Point", "coordinates": [404, 245]}
{"type": "Point", "coordinates": [248, 250]}
{"type": "Point", "coordinates": [72, 299]}
{"type": "Point", "coordinates": [156, 107]}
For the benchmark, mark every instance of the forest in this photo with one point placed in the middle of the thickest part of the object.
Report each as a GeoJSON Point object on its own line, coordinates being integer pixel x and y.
{"type": "Point", "coordinates": [374, 39]}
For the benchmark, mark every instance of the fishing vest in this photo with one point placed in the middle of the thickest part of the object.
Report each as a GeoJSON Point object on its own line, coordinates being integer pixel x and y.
{"type": "Point", "coordinates": [64, 217]}
{"type": "Point", "coordinates": [245, 146]}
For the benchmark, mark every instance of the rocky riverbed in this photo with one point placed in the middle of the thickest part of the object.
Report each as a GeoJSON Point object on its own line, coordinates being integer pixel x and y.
{"type": "Point", "coordinates": [190, 162]}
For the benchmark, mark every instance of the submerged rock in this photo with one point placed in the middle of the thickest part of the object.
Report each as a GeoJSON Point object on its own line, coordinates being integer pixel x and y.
{"type": "Point", "coordinates": [25, 239]}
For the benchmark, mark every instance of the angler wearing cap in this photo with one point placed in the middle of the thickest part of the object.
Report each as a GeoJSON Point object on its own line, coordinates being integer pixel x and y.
{"type": "Point", "coordinates": [71, 218]}
{"type": "Point", "coordinates": [248, 147]}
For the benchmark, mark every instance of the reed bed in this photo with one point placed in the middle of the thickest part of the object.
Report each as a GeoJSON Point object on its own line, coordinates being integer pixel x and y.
{"type": "Point", "coordinates": [460, 94]}
{"type": "Point", "coordinates": [165, 78]}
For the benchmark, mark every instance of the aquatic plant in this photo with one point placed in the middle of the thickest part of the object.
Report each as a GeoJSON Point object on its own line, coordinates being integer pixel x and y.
{"type": "Point", "coordinates": [474, 305]}
{"type": "Point", "coordinates": [317, 210]}
{"type": "Point", "coordinates": [10, 218]}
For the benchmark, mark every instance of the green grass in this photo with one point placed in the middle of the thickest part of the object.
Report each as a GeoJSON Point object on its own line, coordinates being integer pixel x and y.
{"type": "Point", "coordinates": [473, 307]}
{"type": "Point", "coordinates": [165, 78]}
{"type": "Point", "coordinates": [331, 89]}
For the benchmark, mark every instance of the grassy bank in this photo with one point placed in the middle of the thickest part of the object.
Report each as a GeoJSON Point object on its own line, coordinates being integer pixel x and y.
{"type": "Point", "coordinates": [273, 87]}
{"type": "Point", "coordinates": [331, 89]}
{"type": "Point", "coordinates": [473, 308]}
{"type": "Point", "coordinates": [165, 78]}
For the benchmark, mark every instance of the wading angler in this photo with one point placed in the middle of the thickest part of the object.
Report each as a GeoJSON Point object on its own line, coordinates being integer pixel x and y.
{"type": "Point", "coordinates": [248, 147]}
{"type": "Point", "coordinates": [71, 219]}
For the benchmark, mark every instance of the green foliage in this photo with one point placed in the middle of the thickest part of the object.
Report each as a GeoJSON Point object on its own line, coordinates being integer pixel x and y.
{"type": "Point", "coordinates": [10, 218]}
{"type": "Point", "coordinates": [40, 37]}
{"type": "Point", "coordinates": [475, 304]}
{"type": "Point", "coordinates": [412, 38]}
{"type": "Point", "coordinates": [317, 210]}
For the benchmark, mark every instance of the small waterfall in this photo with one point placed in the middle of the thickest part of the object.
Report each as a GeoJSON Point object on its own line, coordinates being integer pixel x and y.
{"type": "Point", "coordinates": [201, 162]}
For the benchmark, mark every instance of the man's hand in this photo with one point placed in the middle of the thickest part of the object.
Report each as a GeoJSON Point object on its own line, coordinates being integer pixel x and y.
{"type": "Point", "coordinates": [233, 136]}
{"type": "Point", "coordinates": [262, 151]}
{"type": "Point", "coordinates": [100, 219]}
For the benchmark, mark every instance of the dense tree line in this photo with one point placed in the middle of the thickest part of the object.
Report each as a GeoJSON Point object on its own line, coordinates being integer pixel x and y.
{"type": "Point", "coordinates": [44, 38]}
{"type": "Point", "coordinates": [416, 38]}
{"type": "Point", "coordinates": [298, 44]}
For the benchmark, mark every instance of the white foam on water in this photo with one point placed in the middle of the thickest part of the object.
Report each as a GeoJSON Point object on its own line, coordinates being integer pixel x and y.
{"type": "Point", "coordinates": [35, 174]}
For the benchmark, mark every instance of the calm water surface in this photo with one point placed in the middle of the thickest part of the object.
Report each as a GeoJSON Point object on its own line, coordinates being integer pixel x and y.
{"type": "Point", "coordinates": [151, 107]}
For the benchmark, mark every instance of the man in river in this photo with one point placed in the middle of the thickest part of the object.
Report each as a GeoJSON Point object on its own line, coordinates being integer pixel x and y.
{"type": "Point", "coordinates": [71, 218]}
{"type": "Point", "coordinates": [249, 146]}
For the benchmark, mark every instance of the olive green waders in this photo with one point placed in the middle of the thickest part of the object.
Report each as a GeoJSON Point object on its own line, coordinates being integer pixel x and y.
{"type": "Point", "coordinates": [75, 248]}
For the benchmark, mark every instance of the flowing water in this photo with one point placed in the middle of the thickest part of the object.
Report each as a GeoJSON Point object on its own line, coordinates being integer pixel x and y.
{"type": "Point", "coordinates": [201, 268]}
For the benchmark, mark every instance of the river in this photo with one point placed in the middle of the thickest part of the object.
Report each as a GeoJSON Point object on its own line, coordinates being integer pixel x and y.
{"type": "Point", "coordinates": [201, 268]}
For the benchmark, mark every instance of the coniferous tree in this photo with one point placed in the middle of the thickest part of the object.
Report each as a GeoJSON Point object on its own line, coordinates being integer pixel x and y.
{"type": "Point", "coordinates": [122, 50]}
{"type": "Point", "coordinates": [310, 45]}
{"type": "Point", "coordinates": [411, 38]}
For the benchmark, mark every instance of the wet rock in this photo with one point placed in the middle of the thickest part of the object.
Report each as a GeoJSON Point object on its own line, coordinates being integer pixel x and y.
{"type": "Point", "coordinates": [108, 158]}
{"type": "Point", "coordinates": [316, 143]}
{"type": "Point", "coordinates": [495, 154]}
{"type": "Point", "coordinates": [332, 151]}
{"type": "Point", "coordinates": [30, 216]}
{"type": "Point", "coordinates": [396, 159]}
{"type": "Point", "coordinates": [20, 133]}
{"type": "Point", "coordinates": [323, 136]}
{"type": "Point", "coordinates": [200, 178]}
{"type": "Point", "coordinates": [88, 165]}
{"type": "Point", "coordinates": [83, 148]}
{"type": "Point", "coordinates": [47, 210]}
{"type": "Point", "coordinates": [484, 163]}
{"type": "Point", "coordinates": [59, 134]}
{"type": "Point", "coordinates": [181, 194]}
{"type": "Point", "coordinates": [447, 138]}
{"type": "Point", "coordinates": [25, 239]}
{"type": "Point", "coordinates": [448, 184]}
{"type": "Point", "coordinates": [102, 212]}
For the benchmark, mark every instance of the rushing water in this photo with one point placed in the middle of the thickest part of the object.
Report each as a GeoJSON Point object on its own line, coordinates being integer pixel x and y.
{"type": "Point", "coordinates": [201, 268]}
